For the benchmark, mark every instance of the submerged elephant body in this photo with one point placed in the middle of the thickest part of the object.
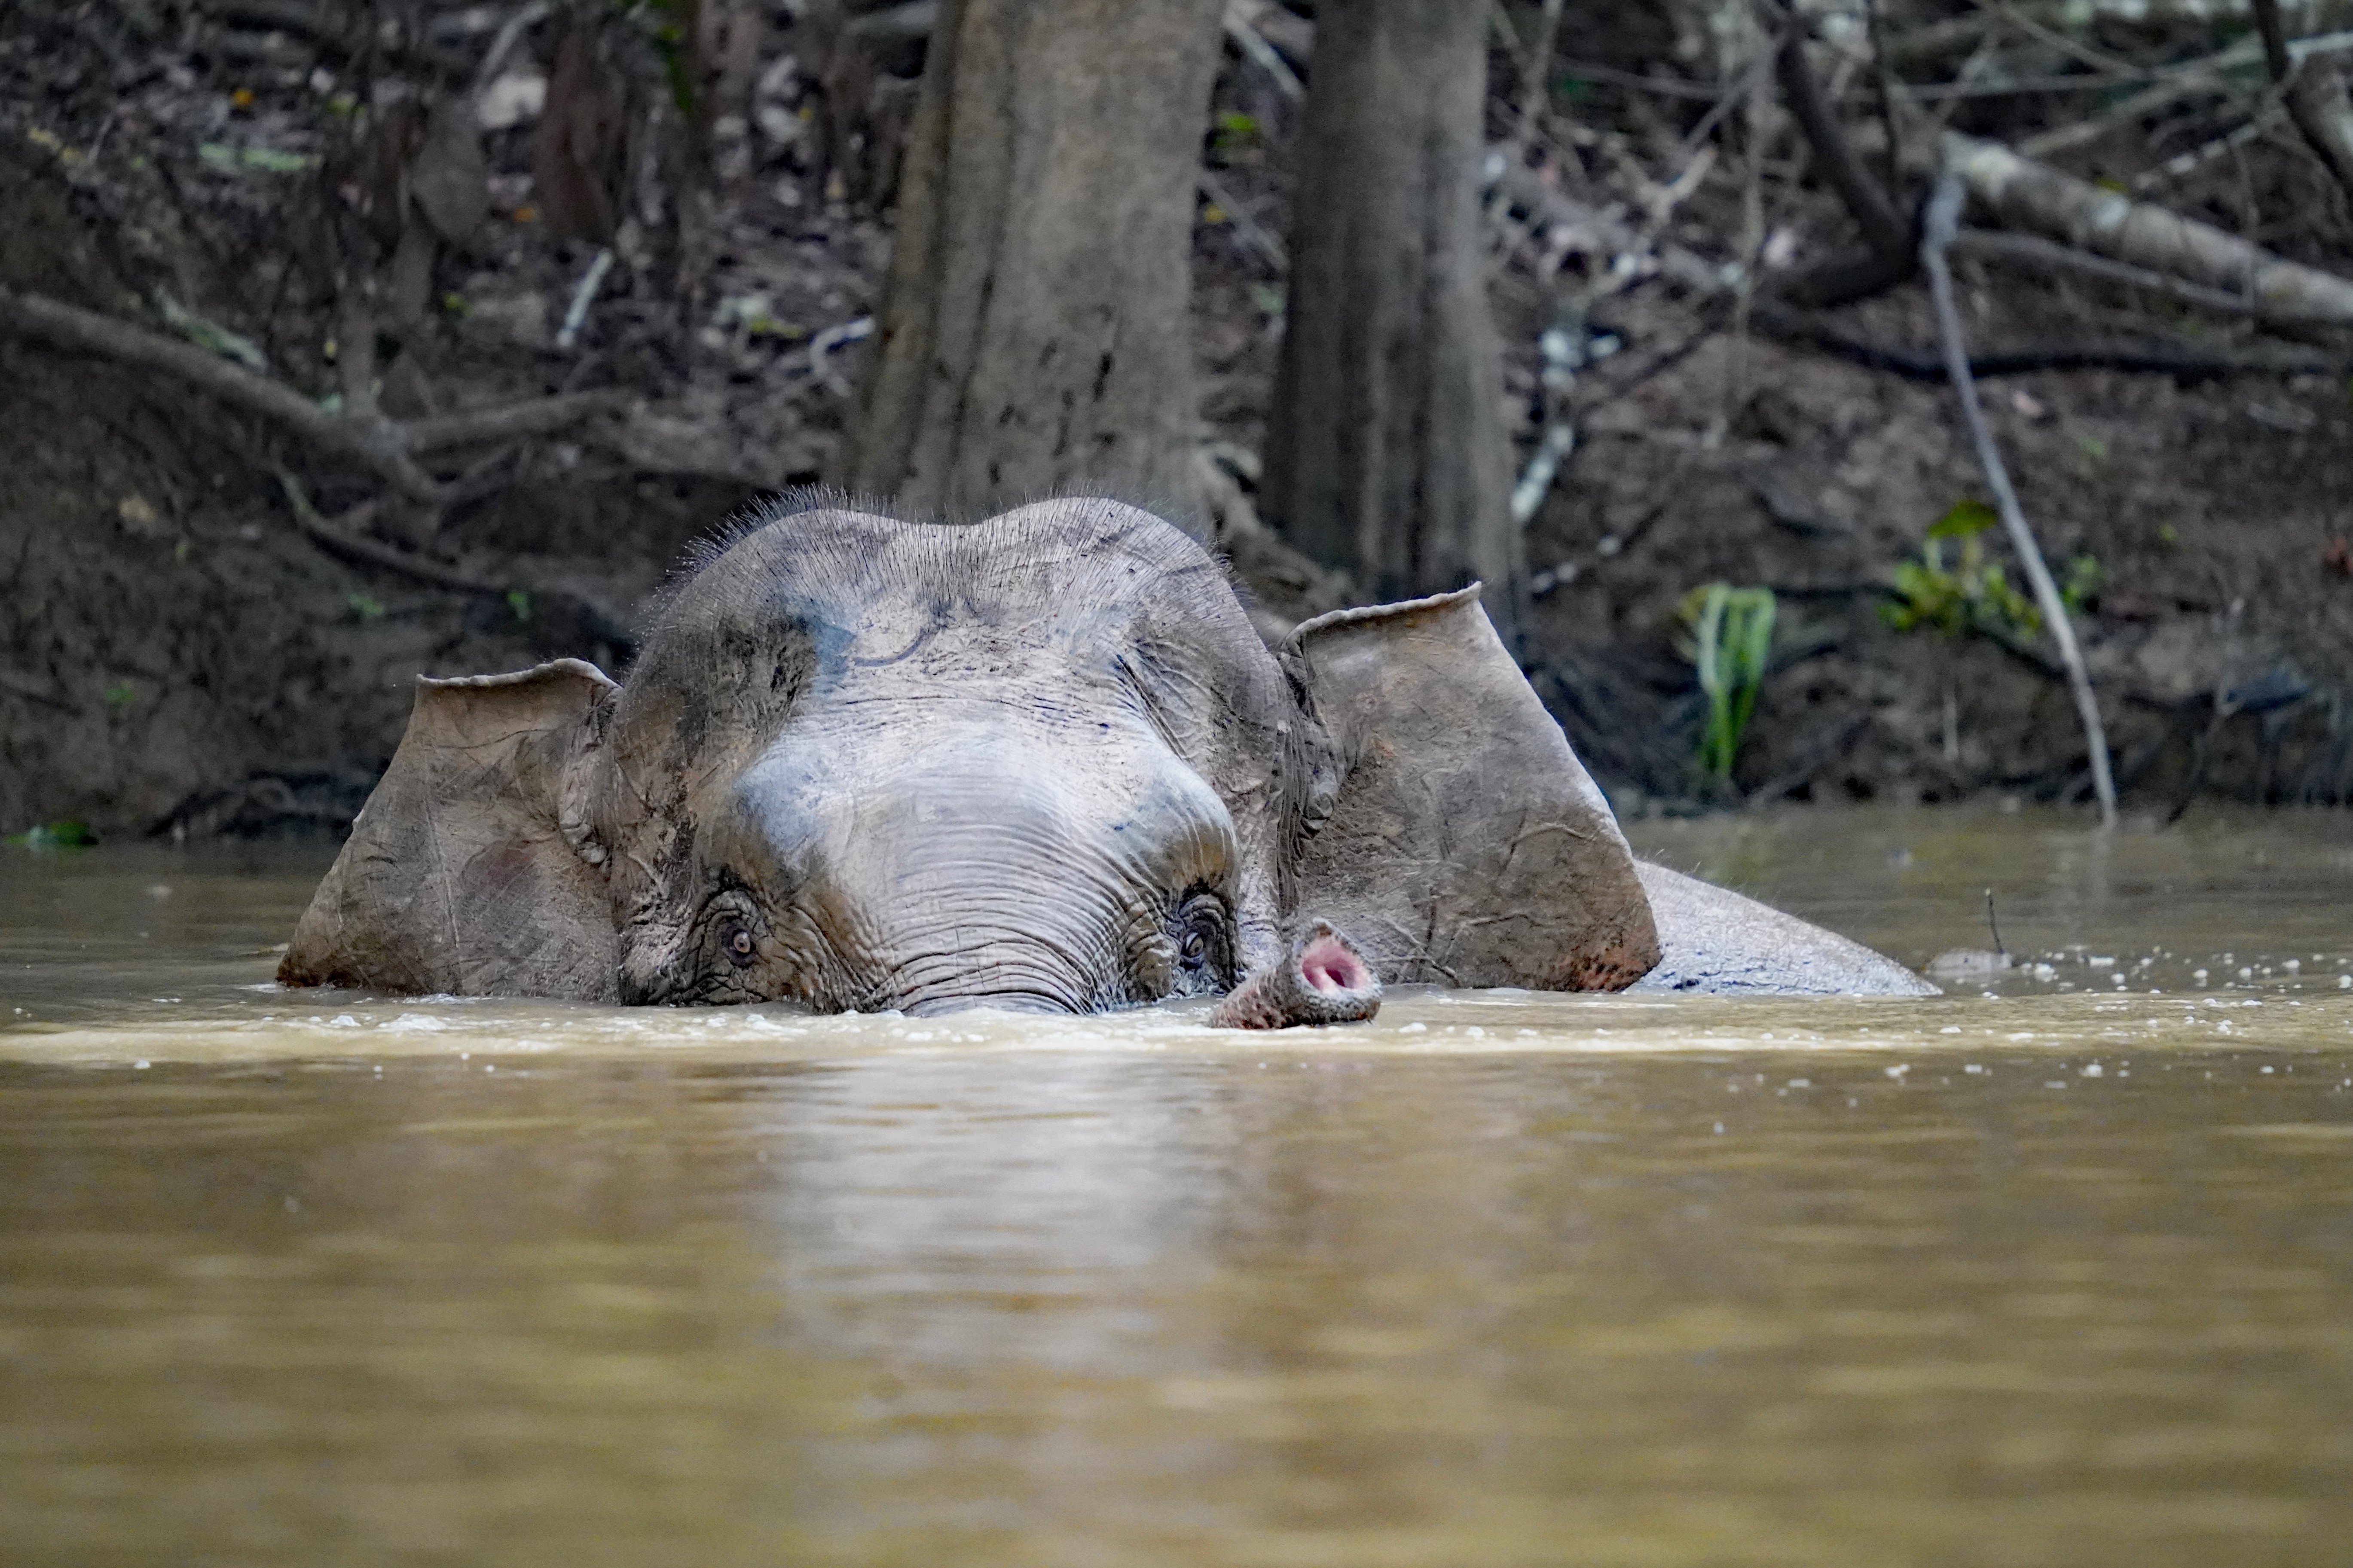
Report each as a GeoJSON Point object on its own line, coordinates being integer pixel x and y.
{"type": "Point", "coordinates": [1041, 761]}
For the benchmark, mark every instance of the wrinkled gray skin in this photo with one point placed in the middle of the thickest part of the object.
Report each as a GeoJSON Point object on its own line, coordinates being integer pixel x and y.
{"type": "Point", "coordinates": [1038, 762]}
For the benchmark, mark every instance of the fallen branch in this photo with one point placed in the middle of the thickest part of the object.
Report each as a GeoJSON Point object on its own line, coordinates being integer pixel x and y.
{"type": "Point", "coordinates": [376, 444]}
{"type": "Point", "coordinates": [353, 546]}
{"type": "Point", "coordinates": [385, 448]}
{"type": "Point", "coordinates": [2181, 165]}
{"type": "Point", "coordinates": [2030, 195]}
{"type": "Point", "coordinates": [515, 421]}
{"type": "Point", "coordinates": [1810, 330]}
{"type": "Point", "coordinates": [2048, 255]}
{"type": "Point", "coordinates": [1943, 217]}
{"type": "Point", "coordinates": [2313, 91]}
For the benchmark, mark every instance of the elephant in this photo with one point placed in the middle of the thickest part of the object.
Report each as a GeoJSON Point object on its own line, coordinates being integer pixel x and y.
{"type": "Point", "coordinates": [1040, 761]}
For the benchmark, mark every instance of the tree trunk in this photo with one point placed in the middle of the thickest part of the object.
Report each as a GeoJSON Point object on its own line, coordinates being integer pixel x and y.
{"type": "Point", "coordinates": [1034, 334]}
{"type": "Point", "coordinates": [1385, 452]}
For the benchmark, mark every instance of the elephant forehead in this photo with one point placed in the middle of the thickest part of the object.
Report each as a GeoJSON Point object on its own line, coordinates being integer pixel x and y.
{"type": "Point", "coordinates": [913, 802]}
{"type": "Point", "coordinates": [1081, 583]}
{"type": "Point", "coordinates": [1066, 561]}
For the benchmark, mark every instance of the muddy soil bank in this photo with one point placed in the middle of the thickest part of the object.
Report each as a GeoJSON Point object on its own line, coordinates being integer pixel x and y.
{"type": "Point", "coordinates": [180, 654]}
{"type": "Point", "coordinates": [176, 655]}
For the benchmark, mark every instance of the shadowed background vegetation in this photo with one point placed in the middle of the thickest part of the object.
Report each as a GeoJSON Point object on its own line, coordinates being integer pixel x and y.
{"type": "Point", "coordinates": [341, 342]}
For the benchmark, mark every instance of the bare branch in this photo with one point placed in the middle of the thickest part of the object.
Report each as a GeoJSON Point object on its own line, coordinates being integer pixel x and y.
{"type": "Point", "coordinates": [1882, 231]}
{"type": "Point", "coordinates": [346, 542]}
{"type": "Point", "coordinates": [376, 445]}
{"type": "Point", "coordinates": [2318, 103]}
{"type": "Point", "coordinates": [1241, 27]}
{"type": "Point", "coordinates": [540, 416]}
{"type": "Point", "coordinates": [2314, 90]}
{"type": "Point", "coordinates": [2030, 195]}
{"type": "Point", "coordinates": [1804, 327]}
{"type": "Point", "coordinates": [1253, 234]}
{"type": "Point", "coordinates": [386, 448]}
{"type": "Point", "coordinates": [1943, 217]}
{"type": "Point", "coordinates": [1888, 259]}
{"type": "Point", "coordinates": [2048, 255]}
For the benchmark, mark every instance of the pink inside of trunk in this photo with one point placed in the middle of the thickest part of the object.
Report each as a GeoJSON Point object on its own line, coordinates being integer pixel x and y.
{"type": "Point", "coordinates": [1329, 966]}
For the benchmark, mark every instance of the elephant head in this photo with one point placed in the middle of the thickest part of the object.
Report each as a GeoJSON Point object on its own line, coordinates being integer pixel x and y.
{"type": "Point", "coordinates": [1041, 761]}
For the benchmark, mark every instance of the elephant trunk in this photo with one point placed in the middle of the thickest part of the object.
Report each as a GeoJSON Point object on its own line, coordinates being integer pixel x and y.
{"type": "Point", "coordinates": [1320, 979]}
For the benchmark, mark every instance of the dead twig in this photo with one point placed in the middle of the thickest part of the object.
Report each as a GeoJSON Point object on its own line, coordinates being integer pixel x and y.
{"type": "Point", "coordinates": [510, 33]}
{"type": "Point", "coordinates": [576, 315]}
{"type": "Point", "coordinates": [839, 336]}
{"type": "Point", "coordinates": [1943, 217]}
{"type": "Point", "coordinates": [1253, 234]}
{"type": "Point", "coordinates": [2175, 83]}
{"type": "Point", "coordinates": [1664, 86]}
{"type": "Point", "coordinates": [2313, 91]}
{"type": "Point", "coordinates": [353, 546]}
{"type": "Point", "coordinates": [1534, 92]}
{"type": "Point", "coordinates": [1241, 29]}
{"type": "Point", "coordinates": [515, 421]}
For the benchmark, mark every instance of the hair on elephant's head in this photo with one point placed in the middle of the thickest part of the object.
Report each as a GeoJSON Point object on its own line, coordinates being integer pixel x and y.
{"type": "Point", "coordinates": [1041, 761]}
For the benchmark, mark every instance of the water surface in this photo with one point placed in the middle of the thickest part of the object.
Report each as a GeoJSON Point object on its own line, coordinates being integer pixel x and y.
{"type": "Point", "coordinates": [2055, 1274]}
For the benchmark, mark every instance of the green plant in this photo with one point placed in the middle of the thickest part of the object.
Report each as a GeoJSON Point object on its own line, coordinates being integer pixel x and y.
{"type": "Point", "coordinates": [67, 835]}
{"type": "Point", "coordinates": [2084, 575]}
{"type": "Point", "coordinates": [1732, 637]}
{"type": "Point", "coordinates": [1971, 594]}
{"type": "Point", "coordinates": [520, 603]}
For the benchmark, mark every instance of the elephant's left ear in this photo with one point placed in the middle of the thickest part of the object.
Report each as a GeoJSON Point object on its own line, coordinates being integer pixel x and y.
{"type": "Point", "coordinates": [1465, 844]}
{"type": "Point", "coordinates": [471, 869]}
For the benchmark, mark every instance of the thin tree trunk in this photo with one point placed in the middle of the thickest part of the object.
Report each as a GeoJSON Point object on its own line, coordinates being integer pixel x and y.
{"type": "Point", "coordinates": [1386, 451]}
{"type": "Point", "coordinates": [1034, 335]}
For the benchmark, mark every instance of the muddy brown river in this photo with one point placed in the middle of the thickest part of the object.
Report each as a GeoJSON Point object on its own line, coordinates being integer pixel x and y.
{"type": "Point", "coordinates": [2057, 1269]}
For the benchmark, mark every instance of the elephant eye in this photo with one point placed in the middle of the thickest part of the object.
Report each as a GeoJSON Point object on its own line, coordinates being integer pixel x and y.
{"type": "Point", "coordinates": [735, 940]}
{"type": "Point", "coordinates": [1202, 931]}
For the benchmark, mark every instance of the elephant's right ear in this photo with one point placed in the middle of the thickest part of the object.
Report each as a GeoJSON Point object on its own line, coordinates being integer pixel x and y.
{"type": "Point", "coordinates": [471, 871]}
{"type": "Point", "coordinates": [1465, 844]}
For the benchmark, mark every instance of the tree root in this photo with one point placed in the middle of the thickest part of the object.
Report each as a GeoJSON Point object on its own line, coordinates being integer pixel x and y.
{"type": "Point", "coordinates": [385, 448]}
{"type": "Point", "coordinates": [339, 539]}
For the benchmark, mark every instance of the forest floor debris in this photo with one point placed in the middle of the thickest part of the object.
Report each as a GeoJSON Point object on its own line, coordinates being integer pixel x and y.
{"type": "Point", "coordinates": [556, 412]}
